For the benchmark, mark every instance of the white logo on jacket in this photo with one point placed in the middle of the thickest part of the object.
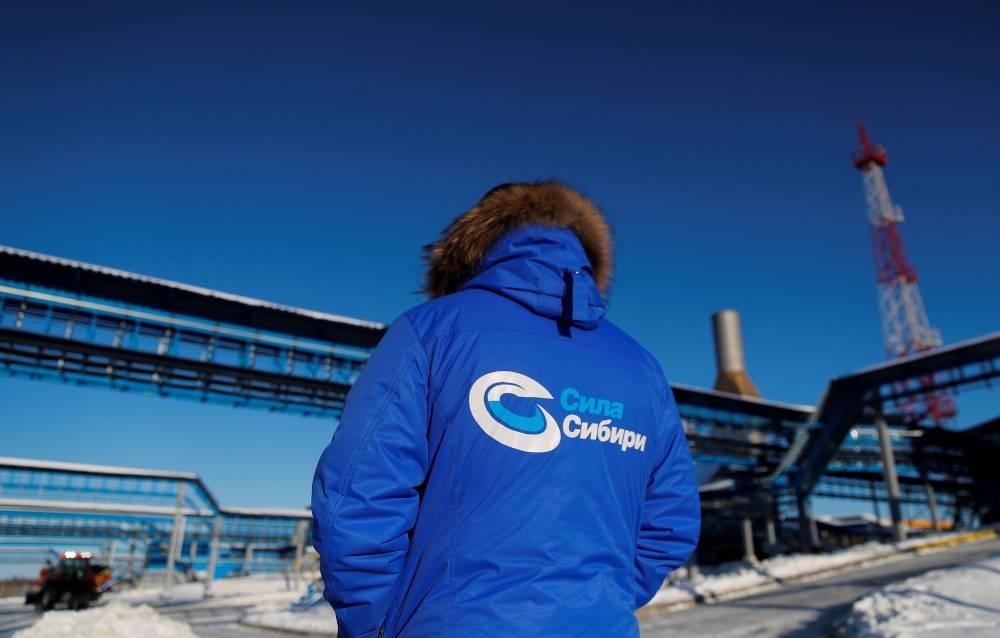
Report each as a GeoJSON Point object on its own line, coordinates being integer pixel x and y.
{"type": "Point", "coordinates": [536, 433]}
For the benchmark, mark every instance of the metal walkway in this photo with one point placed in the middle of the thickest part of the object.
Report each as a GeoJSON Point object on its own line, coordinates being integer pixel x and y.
{"type": "Point", "coordinates": [70, 321]}
{"type": "Point", "coordinates": [135, 517]}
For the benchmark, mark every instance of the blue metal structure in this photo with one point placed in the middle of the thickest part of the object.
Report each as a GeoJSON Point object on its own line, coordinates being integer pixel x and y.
{"type": "Point", "coordinates": [67, 321]}
{"type": "Point", "coordinates": [46, 506]}
{"type": "Point", "coordinates": [872, 392]}
{"type": "Point", "coordinates": [762, 461]}
{"type": "Point", "coordinates": [75, 322]}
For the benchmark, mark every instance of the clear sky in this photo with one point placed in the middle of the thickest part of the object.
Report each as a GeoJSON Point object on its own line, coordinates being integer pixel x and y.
{"type": "Point", "coordinates": [304, 152]}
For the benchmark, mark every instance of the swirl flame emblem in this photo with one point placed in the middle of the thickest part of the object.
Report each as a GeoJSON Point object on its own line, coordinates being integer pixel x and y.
{"type": "Point", "coordinates": [538, 432]}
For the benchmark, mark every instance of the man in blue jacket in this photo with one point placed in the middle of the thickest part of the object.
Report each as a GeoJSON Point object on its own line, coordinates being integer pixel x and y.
{"type": "Point", "coordinates": [510, 463]}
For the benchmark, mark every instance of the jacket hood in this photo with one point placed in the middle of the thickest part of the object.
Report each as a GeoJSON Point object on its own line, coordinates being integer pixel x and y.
{"type": "Point", "coordinates": [460, 253]}
{"type": "Point", "coordinates": [546, 270]}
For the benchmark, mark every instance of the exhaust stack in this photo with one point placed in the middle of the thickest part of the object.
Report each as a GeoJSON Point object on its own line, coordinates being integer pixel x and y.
{"type": "Point", "coordinates": [732, 377]}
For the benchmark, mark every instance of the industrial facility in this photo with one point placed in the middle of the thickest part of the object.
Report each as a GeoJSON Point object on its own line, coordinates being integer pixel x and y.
{"type": "Point", "coordinates": [884, 434]}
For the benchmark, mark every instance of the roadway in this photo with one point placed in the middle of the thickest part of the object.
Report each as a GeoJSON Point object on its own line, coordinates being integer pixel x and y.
{"type": "Point", "coordinates": [216, 619]}
{"type": "Point", "coordinates": [807, 609]}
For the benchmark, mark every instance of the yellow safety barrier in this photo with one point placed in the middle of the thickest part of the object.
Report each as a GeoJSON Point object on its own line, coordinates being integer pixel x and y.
{"type": "Point", "coordinates": [956, 539]}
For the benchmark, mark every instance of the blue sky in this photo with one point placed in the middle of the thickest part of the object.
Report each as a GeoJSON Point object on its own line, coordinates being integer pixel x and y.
{"type": "Point", "coordinates": [304, 152]}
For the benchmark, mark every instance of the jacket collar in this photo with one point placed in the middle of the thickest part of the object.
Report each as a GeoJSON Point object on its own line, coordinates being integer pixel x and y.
{"type": "Point", "coordinates": [546, 270]}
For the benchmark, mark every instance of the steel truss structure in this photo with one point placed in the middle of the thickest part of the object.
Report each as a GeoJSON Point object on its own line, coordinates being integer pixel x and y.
{"type": "Point", "coordinates": [131, 333]}
{"type": "Point", "coordinates": [887, 448]}
{"type": "Point", "coordinates": [133, 518]}
{"type": "Point", "coordinates": [737, 441]}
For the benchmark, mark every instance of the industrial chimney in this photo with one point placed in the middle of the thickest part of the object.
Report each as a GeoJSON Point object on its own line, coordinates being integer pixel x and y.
{"type": "Point", "coordinates": [732, 377]}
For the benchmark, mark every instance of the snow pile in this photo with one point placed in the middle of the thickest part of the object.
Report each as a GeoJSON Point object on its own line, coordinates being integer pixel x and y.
{"type": "Point", "coordinates": [712, 584]}
{"type": "Point", "coordinates": [799, 565]}
{"type": "Point", "coordinates": [115, 620]}
{"type": "Point", "coordinates": [959, 601]}
{"type": "Point", "coordinates": [317, 620]}
{"type": "Point", "coordinates": [249, 589]}
{"type": "Point", "coordinates": [311, 615]}
{"type": "Point", "coordinates": [731, 579]}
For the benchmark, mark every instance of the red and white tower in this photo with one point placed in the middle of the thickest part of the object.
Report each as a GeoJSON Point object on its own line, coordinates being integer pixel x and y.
{"type": "Point", "coordinates": [904, 320]}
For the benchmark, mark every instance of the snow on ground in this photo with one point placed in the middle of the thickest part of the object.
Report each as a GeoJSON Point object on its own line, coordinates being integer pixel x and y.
{"type": "Point", "coordinates": [958, 601]}
{"type": "Point", "coordinates": [262, 588]}
{"type": "Point", "coordinates": [130, 614]}
{"type": "Point", "coordinates": [280, 606]}
{"type": "Point", "coordinates": [714, 583]}
{"type": "Point", "coordinates": [311, 614]}
{"type": "Point", "coordinates": [800, 565]}
{"type": "Point", "coordinates": [317, 620]}
{"type": "Point", "coordinates": [115, 620]}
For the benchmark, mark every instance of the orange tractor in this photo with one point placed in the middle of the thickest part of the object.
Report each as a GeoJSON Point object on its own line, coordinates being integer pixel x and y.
{"type": "Point", "coordinates": [74, 580]}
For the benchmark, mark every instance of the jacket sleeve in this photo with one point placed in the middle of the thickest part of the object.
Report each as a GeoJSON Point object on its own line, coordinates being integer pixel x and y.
{"type": "Point", "coordinates": [671, 519]}
{"type": "Point", "coordinates": [364, 494]}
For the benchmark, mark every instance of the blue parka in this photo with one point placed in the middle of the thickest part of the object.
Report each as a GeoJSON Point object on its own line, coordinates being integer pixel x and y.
{"type": "Point", "coordinates": [508, 464]}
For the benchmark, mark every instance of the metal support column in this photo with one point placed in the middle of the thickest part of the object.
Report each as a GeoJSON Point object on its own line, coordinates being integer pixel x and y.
{"type": "Point", "coordinates": [891, 479]}
{"type": "Point", "coordinates": [813, 530]}
{"type": "Point", "coordinates": [772, 535]}
{"type": "Point", "coordinates": [694, 571]}
{"type": "Point", "coordinates": [213, 554]}
{"type": "Point", "coordinates": [176, 537]}
{"type": "Point", "coordinates": [248, 559]}
{"type": "Point", "coordinates": [748, 553]}
{"type": "Point", "coordinates": [932, 504]}
{"type": "Point", "coordinates": [808, 534]}
{"type": "Point", "coordinates": [874, 493]}
{"type": "Point", "coordinates": [300, 541]}
{"type": "Point", "coordinates": [131, 555]}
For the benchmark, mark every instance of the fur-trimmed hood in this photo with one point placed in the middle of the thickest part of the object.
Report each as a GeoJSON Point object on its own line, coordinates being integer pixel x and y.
{"type": "Point", "coordinates": [457, 256]}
